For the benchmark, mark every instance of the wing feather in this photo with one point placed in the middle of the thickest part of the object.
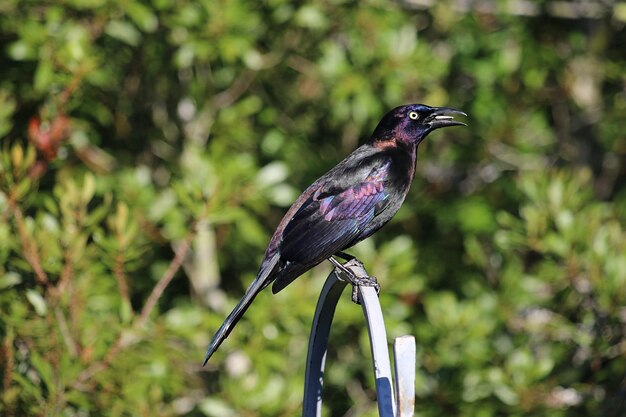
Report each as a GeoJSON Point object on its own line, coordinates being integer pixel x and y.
{"type": "Point", "coordinates": [326, 224]}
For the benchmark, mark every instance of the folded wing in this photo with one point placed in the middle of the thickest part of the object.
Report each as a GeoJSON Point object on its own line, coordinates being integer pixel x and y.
{"type": "Point", "coordinates": [330, 220]}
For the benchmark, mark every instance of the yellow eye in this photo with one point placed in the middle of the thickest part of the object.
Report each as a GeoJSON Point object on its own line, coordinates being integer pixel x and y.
{"type": "Point", "coordinates": [414, 115]}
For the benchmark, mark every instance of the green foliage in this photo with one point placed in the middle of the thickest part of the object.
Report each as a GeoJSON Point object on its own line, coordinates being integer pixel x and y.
{"type": "Point", "coordinates": [149, 148]}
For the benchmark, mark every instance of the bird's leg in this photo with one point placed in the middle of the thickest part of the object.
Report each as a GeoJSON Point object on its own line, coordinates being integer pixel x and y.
{"type": "Point", "coordinates": [352, 278]}
{"type": "Point", "coordinates": [347, 257]}
{"type": "Point", "coordinates": [351, 259]}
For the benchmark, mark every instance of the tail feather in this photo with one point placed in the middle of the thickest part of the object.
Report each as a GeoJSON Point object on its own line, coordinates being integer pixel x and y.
{"type": "Point", "coordinates": [288, 274]}
{"type": "Point", "coordinates": [262, 280]}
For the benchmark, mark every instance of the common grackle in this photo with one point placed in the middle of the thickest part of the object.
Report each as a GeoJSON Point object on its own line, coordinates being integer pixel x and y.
{"type": "Point", "coordinates": [346, 205]}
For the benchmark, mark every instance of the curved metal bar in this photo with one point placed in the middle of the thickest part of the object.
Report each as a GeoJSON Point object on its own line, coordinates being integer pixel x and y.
{"type": "Point", "coordinates": [404, 350]}
{"type": "Point", "coordinates": [380, 351]}
{"type": "Point", "coordinates": [318, 345]}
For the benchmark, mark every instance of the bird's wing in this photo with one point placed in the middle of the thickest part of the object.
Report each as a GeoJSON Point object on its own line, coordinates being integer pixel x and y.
{"type": "Point", "coordinates": [333, 217]}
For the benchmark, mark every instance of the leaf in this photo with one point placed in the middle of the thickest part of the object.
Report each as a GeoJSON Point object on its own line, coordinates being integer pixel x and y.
{"type": "Point", "coordinates": [121, 217]}
{"type": "Point", "coordinates": [7, 107]}
{"type": "Point", "coordinates": [310, 16]}
{"type": "Point", "coordinates": [44, 75]}
{"type": "Point", "coordinates": [89, 188]}
{"type": "Point", "coordinates": [37, 301]}
{"type": "Point", "coordinates": [21, 51]}
{"type": "Point", "coordinates": [123, 31]}
{"type": "Point", "coordinates": [10, 279]}
{"type": "Point", "coordinates": [17, 156]}
{"type": "Point", "coordinates": [272, 173]}
{"type": "Point", "coordinates": [142, 16]}
{"type": "Point", "coordinates": [22, 189]}
{"type": "Point", "coordinates": [45, 371]}
{"type": "Point", "coordinates": [213, 407]}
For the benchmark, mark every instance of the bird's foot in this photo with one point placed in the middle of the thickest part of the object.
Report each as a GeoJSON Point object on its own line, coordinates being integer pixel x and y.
{"type": "Point", "coordinates": [366, 281]}
{"type": "Point", "coordinates": [357, 278]}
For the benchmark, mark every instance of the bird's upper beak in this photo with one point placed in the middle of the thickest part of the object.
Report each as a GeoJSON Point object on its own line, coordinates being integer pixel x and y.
{"type": "Point", "coordinates": [443, 117]}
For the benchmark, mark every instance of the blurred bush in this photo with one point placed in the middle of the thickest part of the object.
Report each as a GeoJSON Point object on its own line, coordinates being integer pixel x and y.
{"type": "Point", "coordinates": [150, 147]}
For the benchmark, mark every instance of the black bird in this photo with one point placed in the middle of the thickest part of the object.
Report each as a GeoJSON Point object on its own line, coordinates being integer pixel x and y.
{"type": "Point", "coordinates": [346, 205]}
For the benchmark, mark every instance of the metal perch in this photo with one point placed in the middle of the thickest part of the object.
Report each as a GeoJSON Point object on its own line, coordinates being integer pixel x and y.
{"type": "Point", "coordinates": [389, 405]}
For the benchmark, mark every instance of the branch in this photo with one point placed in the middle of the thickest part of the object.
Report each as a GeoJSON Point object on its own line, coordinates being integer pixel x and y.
{"type": "Point", "coordinates": [239, 87]}
{"type": "Point", "coordinates": [165, 280]}
{"type": "Point", "coordinates": [28, 246]}
{"type": "Point", "coordinates": [120, 276]}
{"type": "Point", "coordinates": [8, 361]}
{"type": "Point", "coordinates": [67, 272]}
{"type": "Point", "coordinates": [70, 343]}
{"type": "Point", "coordinates": [123, 338]}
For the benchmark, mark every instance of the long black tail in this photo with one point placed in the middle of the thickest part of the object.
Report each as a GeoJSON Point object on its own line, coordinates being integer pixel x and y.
{"type": "Point", "coordinates": [260, 282]}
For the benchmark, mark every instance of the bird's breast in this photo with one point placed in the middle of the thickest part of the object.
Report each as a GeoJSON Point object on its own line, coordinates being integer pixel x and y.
{"type": "Point", "coordinates": [402, 170]}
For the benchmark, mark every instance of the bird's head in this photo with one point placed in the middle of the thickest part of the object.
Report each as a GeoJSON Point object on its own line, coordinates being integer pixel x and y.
{"type": "Point", "coordinates": [411, 123]}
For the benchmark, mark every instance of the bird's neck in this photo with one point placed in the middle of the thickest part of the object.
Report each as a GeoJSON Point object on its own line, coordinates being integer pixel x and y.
{"type": "Point", "coordinates": [403, 154]}
{"type": "Point", "coordinates": [393, 143]}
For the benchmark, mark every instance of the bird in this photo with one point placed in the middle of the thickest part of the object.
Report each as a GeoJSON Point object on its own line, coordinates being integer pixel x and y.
{"type": "Point", "coordinates": [345, 205]}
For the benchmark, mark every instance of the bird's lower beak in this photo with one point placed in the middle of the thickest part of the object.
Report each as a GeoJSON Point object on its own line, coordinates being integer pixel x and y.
{"type": "Point", "coordinates": [444, 116]}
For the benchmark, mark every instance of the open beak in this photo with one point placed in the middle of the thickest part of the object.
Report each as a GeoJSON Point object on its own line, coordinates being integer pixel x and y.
{"type": "Point", "coordinates": [444, 116]}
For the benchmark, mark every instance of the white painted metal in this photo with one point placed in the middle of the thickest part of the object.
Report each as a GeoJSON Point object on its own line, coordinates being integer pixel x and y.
{"type": "Point", "coordinates": [404, 362]}
{"type": "Point", "coordinates": [404, 351]}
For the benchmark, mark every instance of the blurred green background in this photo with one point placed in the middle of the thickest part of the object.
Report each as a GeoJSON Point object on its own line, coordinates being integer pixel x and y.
{"type": "Point", "coordinates": [149, 148]}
